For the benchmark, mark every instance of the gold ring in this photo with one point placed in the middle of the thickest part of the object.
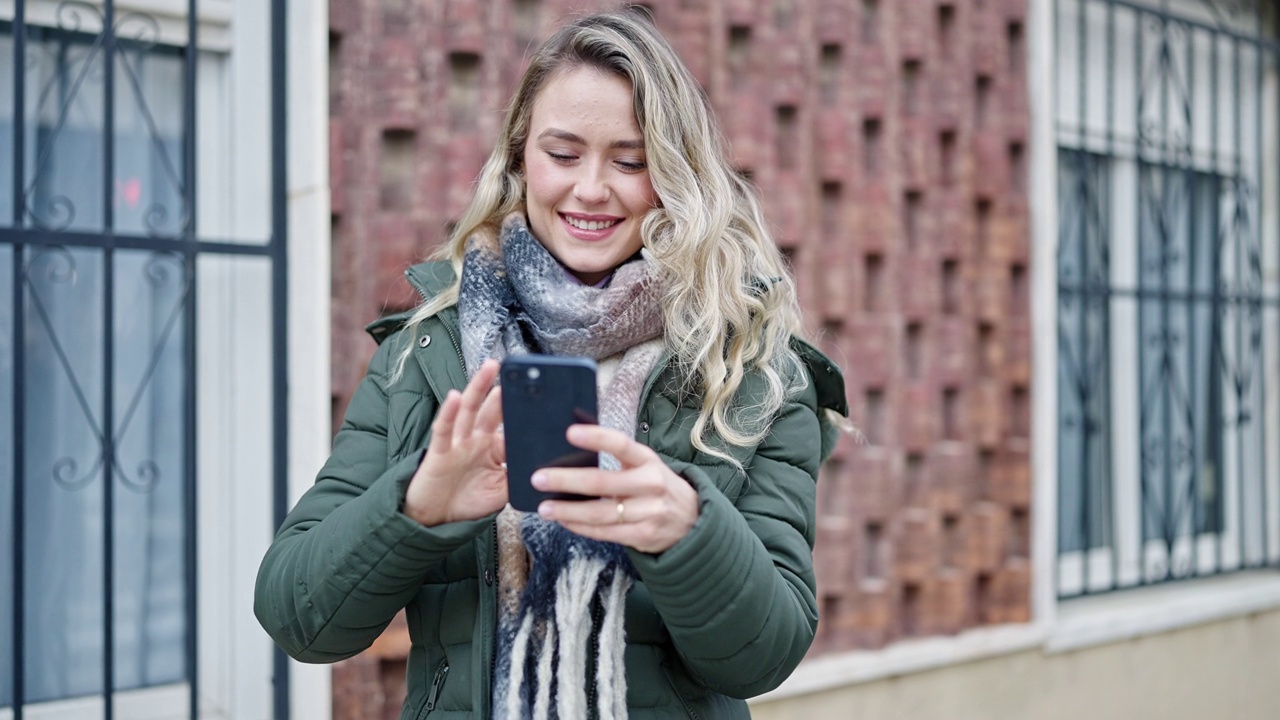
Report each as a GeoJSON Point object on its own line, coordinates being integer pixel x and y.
{"type": "Point", "coordinates": [621, 513]}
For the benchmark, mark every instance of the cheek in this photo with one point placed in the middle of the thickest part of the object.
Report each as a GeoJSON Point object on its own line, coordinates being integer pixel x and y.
{"type": "Point", "coordinates": [642, 195]}
{"type": "Point", "coordinates": [537, 182]}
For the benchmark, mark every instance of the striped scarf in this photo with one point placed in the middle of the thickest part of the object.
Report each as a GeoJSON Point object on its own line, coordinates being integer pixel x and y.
{"type": "Point", "coordinates": [561, 597]}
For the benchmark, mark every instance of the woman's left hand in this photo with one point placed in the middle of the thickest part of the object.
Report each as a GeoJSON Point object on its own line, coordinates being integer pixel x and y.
{"type": "Point", "coordinates": [644, 505]}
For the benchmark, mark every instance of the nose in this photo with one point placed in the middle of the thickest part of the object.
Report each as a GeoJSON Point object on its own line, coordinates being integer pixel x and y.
{"type": "Point", "coordinates": [591, 187]}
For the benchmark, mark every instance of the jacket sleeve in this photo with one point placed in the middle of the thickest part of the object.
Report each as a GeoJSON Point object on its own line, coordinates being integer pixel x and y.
{"type": "Point", "coordinates": [737, 594]}
{"type": "Point", "coordinates": [346, 559]}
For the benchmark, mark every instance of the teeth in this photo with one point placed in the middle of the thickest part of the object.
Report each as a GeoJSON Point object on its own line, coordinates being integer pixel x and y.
{"type": "Point", "coordinates": [590, 224]}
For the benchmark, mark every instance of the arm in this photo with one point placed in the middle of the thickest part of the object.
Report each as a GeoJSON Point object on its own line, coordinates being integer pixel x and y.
{"type": "Point", "coordinates": [737, 593]}
{"type": "Point", "coordinates": [347, 558]}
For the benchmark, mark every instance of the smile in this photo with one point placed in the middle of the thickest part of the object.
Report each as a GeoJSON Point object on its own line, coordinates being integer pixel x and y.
{"type": "Point", "coordinates": [590, 224]}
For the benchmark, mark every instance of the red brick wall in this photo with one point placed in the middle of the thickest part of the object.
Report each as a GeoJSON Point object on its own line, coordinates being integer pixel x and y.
{"type": "Point", "coordinates": [888, 138]}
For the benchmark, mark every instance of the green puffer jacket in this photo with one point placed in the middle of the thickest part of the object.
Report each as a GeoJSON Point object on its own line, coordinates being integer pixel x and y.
{"type": "Point", "coordinates": [726, 613]}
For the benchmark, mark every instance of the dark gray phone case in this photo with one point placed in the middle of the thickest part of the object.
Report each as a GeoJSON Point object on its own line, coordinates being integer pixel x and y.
{"type": "Point", "coordinates": [542, 395]}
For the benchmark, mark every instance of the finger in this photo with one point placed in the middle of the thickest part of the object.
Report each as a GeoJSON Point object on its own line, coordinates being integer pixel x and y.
{"type": "Point", "coordinates": [442, 428]}
{"type": "Point", "coordinates": [594, 482]}
{"type": "Point", "coordinates": [473, 396]}
{"type": "Point", "coordinates": [603, 511]}
{"type": "Point", "coordinates": [487, 374]}
{"type": "Point", "coordinates": [601, 439]}
{"type": "Point", "coordinates": [490, 415]}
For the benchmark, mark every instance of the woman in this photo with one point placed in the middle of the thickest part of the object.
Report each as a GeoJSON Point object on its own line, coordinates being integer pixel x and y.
{"type": "Point", "coordinates": [606, 223]}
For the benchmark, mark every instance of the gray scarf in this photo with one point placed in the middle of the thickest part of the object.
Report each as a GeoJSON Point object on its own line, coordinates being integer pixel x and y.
{"type": "Point", "coordinates": [561, 596]}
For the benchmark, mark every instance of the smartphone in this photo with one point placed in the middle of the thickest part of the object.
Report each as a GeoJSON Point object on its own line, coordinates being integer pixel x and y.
{"type": "Point", "coordinates": [542, 395]}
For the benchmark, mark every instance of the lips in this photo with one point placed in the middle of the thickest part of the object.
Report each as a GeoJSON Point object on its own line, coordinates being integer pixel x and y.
{"type": "Point", "coordinates": [590, 227]}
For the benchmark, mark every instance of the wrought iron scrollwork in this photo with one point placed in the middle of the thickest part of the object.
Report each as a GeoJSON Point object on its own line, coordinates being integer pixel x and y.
{"type": "Point", "coordinates": [71, 14]}
{"type": "Point", "coordinates": [65, 473]}
{"type": "Point", "coordinates": [158, 272]}
{"type": "Point", "coordinates": [1165, 82]}
{"type": "Point", "coordinates": [135, 34]}
{"type": "Point", "coordinates": [1238, 237]}
{"type": "Point", "coordinates": [147, 36]}
{"type": "Point", "coordinates": [147, 33]}
{"type": "Point", "coordinates": [1231, 14]}
{"type": "Point", "coordinates": [1169, 345]}
{"type": "Point", "coordinates": [56, 264]}
{"type": "Point", "coordinates": [1084, 296]}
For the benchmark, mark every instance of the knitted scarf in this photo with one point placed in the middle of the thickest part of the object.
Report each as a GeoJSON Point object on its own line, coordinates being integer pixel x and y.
{"type": "Point", "coordinates": [561, 596]}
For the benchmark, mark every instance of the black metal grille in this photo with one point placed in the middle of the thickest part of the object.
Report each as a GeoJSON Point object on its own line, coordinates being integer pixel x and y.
{"type": "Point", "coordinates": [1166, 315]}
{"type": "Point", "coordinates": [98, 235]}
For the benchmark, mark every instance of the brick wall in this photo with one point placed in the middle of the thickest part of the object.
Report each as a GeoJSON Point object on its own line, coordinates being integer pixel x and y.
{"type": "Point", "coordinates": [888, 138]}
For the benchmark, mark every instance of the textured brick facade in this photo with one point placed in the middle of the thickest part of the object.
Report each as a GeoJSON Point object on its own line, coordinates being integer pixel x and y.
{"type": "Point", "coordinates": [888, 138]}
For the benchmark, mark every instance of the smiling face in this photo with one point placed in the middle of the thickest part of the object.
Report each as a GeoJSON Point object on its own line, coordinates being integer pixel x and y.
{"type": "Point", "coordinates": [586, 182]}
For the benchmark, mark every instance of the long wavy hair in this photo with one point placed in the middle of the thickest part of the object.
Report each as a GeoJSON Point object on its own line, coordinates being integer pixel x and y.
{"type": "Point", "coordinates": [730, 304]}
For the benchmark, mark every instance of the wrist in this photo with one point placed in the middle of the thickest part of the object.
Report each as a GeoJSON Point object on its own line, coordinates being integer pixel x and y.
{"type": "Point", "coordinates": [416, 503]}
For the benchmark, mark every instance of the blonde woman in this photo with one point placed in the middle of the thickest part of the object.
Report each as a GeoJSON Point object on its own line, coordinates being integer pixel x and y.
{"type": "Point", "coordinates": [607, 223]}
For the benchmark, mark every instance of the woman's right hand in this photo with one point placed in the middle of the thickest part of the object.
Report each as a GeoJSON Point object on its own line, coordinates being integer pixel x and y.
{"type": "Point", "coordinates": [462, 476]}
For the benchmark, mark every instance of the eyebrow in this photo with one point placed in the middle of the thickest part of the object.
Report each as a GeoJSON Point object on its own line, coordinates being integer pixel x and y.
{"type": "Point", "coordinates": [571, 137]}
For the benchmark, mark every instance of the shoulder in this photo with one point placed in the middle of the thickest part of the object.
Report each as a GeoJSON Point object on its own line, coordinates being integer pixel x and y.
{"type": "Point", "coordinates": [828, 381]}
{"type": "Point", "coordinates": [824, 394]}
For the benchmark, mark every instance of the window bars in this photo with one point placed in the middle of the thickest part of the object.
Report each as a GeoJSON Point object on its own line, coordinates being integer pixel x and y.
{"type": "Point", "coordinates": [98, 250]}
{"type": "Point", "coordinates": [1168, 304]}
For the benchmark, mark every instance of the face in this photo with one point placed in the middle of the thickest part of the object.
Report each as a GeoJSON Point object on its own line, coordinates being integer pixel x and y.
{"type": "Point", "coordinates": [586, 182]}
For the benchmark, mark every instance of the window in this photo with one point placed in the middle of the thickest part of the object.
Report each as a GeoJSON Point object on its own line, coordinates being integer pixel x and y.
{"type": "Point", "coordinates": [130, 238]}
{"type": "Point", "coordinates": [63, 430]}
{"type": "Point", "coordinates": [1168, 302]}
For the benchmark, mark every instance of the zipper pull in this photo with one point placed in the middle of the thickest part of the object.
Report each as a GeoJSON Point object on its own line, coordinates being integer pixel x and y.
{"type": "Point", "coordinates": [436, 684]}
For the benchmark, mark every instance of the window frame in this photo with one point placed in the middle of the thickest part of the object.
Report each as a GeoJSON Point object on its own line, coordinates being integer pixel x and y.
{"type": "Point", "coordinates": [1132, 558]}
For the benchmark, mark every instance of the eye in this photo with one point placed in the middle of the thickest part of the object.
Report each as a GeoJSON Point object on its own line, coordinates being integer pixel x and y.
{"type": "Point", "coordinates": [561, 157]}
{"type": "Point", "coordinates": [632, 166]}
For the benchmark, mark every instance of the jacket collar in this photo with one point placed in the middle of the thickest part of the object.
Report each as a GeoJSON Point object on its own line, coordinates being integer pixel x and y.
{"type": "Point", "coordinates": [429, 279]}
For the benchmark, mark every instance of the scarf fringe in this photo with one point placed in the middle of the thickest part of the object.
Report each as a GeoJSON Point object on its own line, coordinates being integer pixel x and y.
{"type": "Point", "coordinates": [556, 648]}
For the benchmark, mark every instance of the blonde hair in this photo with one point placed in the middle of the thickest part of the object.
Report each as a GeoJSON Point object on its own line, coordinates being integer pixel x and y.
{"type": "Point", "coordinates": [730, 303]}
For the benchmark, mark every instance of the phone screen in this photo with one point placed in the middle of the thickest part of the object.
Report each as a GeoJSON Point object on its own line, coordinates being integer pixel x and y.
{"type": "Point", "coordinates": [542, 395]}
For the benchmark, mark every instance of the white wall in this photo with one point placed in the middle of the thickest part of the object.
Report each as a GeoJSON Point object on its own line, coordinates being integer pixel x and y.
{"type": "Point", "coordinates": [309, 347]}
{"type": "Point", "coordinates": [1224, 670]}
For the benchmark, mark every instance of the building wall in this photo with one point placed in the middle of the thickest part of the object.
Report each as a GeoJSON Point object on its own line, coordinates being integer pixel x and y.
{"type": "Point", "coordinates": [889, 141]}
{"type": "Point", "coordinates": [1223, 670]}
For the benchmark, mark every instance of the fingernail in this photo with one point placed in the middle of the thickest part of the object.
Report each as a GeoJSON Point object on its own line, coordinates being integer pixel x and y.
{"type": "Point", "coordinates": [539, 479]}
{"type": "Point", "coordinates": [544, 509]}
{"type": "Point", "coordinates": [576, 432]}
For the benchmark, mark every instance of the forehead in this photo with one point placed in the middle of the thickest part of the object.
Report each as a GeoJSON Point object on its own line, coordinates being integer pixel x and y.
{"type": "Point", "coordinates": [585, 98]}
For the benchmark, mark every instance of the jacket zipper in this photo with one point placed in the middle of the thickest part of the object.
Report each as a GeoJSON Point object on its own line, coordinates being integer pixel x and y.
{"type": "Point", "coordinates": [441, 673]}
{"type": "Point", "coordinates": [658, 368]}
{"type": "Point", "coordinates": [670, 681]}
{"type": "Point", "coordinates": [457, 345]}
{"type": "Point", "coordinates": [493, 656]}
